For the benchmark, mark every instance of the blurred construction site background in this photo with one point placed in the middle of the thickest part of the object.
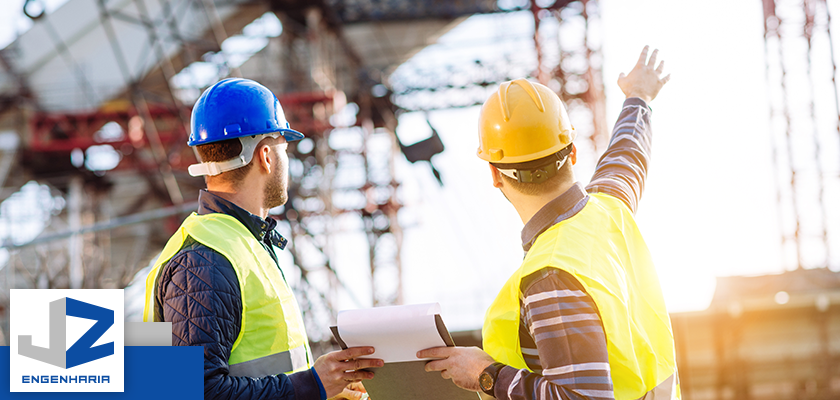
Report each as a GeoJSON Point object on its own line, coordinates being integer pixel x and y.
{"type": "Point", "coordinates": [388, 203]}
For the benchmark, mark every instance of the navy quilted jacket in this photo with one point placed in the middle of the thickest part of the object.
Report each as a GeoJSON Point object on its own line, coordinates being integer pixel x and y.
{"type": "Point", "coordinates": [199, 293]}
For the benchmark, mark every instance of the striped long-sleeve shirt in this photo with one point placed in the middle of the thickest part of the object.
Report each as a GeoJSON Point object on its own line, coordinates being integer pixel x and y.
{"type": "Point", "coordinates": [561, 335]}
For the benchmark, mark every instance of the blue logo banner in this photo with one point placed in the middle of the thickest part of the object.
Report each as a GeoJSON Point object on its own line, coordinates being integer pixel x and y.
{"type": "Point", "coordinates": [150, 372]}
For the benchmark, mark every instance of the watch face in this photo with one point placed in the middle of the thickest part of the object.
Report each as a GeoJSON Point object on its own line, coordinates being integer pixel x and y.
{"type": "Point", "coordinates": [485, 381]}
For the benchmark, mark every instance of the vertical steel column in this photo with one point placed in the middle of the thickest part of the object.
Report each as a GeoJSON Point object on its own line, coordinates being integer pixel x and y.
{"type": "Point", "coordinates": [541, 73]}
{"type": "Point", "coordinates": [833, 63]}
{"type": "Point", "coordinates": [594, 96]}
{"type": "Point", "coordinates": [772, 25]}
{"type": "Point", "coordinates": [75, 199]}
{"type": "Point", "coordinates": [769, 24]}
{"type": "Point", "coordinates": [809, 7]}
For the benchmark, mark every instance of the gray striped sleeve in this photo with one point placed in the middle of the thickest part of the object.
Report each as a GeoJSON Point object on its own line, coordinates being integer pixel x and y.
{"type": "Point", "coordinates": [622, 169]}
{"type": "Point", "coordinates": [563, 343]}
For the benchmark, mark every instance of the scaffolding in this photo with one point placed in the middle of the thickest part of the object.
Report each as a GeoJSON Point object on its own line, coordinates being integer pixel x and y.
{"type": "Point", "coordinates": [565, 55]}
{"type": "Point", "coordinates": [333, 71]}
{"type": "Point", "coordinates": [805, 129]}
{"type": "Point", "coordinates": [100, 225]}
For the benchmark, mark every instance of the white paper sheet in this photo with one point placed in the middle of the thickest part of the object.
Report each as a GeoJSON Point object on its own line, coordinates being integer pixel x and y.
{"type": "Point", "coordinates": [396, 332]}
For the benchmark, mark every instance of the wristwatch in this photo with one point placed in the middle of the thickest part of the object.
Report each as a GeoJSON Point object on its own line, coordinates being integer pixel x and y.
{"type": "Point", "coordinates": [487, 379]}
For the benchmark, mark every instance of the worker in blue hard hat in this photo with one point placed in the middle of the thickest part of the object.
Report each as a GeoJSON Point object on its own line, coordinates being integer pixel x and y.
{"type": "Point", "coordinates": [218, 280]}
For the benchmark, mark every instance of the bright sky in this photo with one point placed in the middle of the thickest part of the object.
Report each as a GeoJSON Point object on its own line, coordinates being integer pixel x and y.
{"type": "Point", "coordinates": [709, 207]}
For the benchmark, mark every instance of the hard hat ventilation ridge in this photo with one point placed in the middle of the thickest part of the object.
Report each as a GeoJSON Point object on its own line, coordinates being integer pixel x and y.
{"type": "Point", "coordinates": [525, 85]}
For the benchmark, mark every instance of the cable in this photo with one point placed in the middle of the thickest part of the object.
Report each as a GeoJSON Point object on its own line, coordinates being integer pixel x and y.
{"type": "Point", "coordinates": [27, 12]}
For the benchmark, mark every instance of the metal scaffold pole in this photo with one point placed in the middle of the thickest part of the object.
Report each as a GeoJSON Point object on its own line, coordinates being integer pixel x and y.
{"type": "Point", "coordinates": [75, 199]}
{"type": "Point", "coordinates": [797, 127]}
{"type": "Point", "coordinates": [328, 61]}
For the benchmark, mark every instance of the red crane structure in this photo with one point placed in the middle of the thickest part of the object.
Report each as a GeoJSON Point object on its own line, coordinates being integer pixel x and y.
{"type": "Point", "coordinates": [106, 77]}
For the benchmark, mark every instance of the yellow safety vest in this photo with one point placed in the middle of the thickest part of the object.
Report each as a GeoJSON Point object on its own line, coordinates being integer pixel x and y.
{"type": "Point", "coordinates": [602, 247]}
{"type": "Point", "coordinates": [272, 339]}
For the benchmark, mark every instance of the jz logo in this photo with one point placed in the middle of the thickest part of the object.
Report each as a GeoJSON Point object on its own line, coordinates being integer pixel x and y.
{"type": "Point", "coordinates": [80, 352]}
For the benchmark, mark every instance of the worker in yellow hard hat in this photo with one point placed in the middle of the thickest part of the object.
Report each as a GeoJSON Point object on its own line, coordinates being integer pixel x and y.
{"type": "Point", "coordinates": [583, 317]}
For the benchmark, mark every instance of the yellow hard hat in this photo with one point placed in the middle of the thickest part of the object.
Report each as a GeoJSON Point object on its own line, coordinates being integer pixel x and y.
{"type": "Point", "coordinates": [522, 121]}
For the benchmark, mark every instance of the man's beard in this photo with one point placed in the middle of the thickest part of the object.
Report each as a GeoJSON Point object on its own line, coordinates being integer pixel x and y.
{"type": "Point", "coordinates": [276, 190]}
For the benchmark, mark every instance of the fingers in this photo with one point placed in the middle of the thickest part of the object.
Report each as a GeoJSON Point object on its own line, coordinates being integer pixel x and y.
{"type": "Point", "coordinates": [437, 365]}
{"type": "Point", "coordinates": [354, 395]}
{"type": "Point", "coordinates": [435, 352]}
{"type": "Point", "coordinates": [665, 79]}
{"type": "Point", "coordinates": [355, 376]}
{"type": "Point", "coordinates": [353, 352]}
{"type": "Point", "coordinates": [652, 61]}
{"type": "Point", "coordinates": [643, 57]}
{"type": "Point", "coordinates": [364, 363]}
{"type": "Point", "coordinates": [660, 67]}
{"type": "Point", "coordinates": [350, 393]}
{"type": "Point", "coordinates": [346, 359]}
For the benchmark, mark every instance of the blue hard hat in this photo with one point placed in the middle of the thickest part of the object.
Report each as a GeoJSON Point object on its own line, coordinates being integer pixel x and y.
{"type": "Point", "coordinates": [237, 107]}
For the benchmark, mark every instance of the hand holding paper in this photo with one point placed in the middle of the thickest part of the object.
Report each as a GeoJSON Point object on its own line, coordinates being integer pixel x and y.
{"type": "Point", "coordinates": [461, 364]}
{"type": "Point", "coordinates": [339, 368]}
{"type": "Point", "coordinates": [399, 333]}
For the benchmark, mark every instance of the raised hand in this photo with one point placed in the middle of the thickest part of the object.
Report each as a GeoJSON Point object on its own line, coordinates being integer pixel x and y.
{"type": "Point", "coordinates": [644, 81]}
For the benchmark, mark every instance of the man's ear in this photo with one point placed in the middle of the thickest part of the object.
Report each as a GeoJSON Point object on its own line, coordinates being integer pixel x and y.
{"type": "Point", "coordinates": [573, 154]}
{"type": "Point", "coordinates": [497, 176]}
{"type": "Point", "coordinates": [264, 157]}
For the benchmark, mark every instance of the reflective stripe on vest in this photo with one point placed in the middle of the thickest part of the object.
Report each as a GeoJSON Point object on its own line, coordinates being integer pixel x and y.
{"type": "Point", "coordinates": [272, 338]}
{"type": "Point", "coordinates": [602, 247]}
{"type": "Point", "coordinates": [264, 366]}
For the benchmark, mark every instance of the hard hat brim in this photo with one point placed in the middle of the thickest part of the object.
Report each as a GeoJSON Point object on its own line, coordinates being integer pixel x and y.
{"type": "Point", "coordinates": [291, 135]}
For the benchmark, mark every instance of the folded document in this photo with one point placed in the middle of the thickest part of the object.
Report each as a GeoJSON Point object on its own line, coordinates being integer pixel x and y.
{"type": "Point", "coordinates": [398, 333]}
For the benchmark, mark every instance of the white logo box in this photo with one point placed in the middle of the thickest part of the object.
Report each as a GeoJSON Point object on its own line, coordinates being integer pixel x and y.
{"type": "Point", "coordinates": [30, 316]}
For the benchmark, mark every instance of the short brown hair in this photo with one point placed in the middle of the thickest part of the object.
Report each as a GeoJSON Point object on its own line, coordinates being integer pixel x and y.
{"type": "Point", "coordinates": [223, 151]}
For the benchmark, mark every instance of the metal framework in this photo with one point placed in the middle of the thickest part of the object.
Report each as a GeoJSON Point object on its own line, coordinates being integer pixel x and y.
{"type": "Point", "coordinates": [337, 187]}
{"type": "Point", "coordinates": [805, 119]}
{"type": "Point", "coordinates": [572, 69]}
{"type": "Point", "coordinates": [100, 236]}
{"type": "Point", "coordinates": [325, 65]}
